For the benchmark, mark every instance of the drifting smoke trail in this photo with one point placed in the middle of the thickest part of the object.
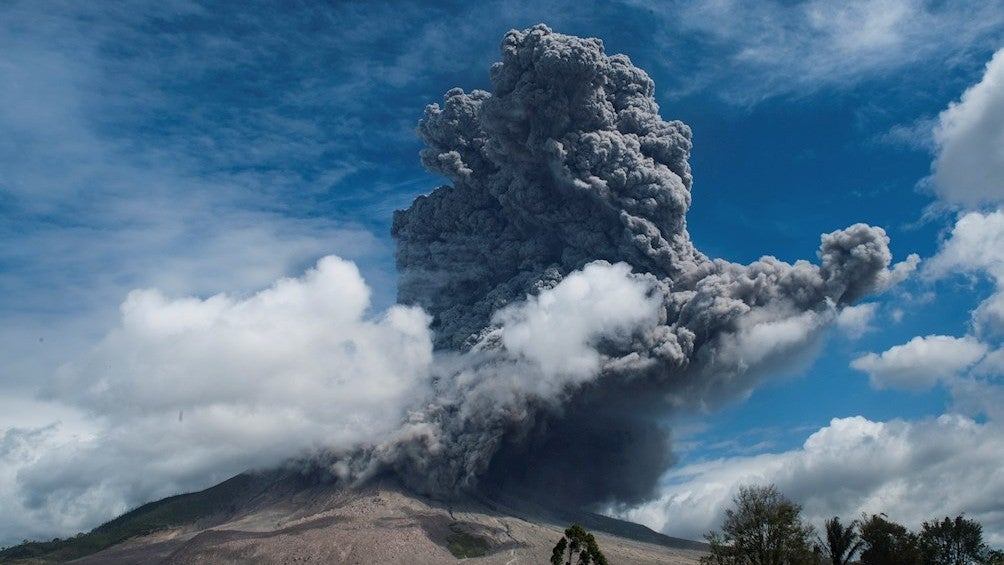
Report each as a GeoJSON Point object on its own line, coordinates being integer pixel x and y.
{"type": "Point", "coordinates": [559, 272]}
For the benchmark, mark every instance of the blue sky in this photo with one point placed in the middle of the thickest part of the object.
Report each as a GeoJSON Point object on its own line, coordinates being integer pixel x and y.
{"type": "Point", "coordinates": [201, 148]}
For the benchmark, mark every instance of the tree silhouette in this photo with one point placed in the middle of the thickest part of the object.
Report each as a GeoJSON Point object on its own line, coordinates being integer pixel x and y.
{"type": "Point", "coordinates": [888, 543]}
{"type": "Point", "coordinates": [953, 542]}
{"type": "Point", "coordinates": [580, 544]}
{"type": "Point", "coordinates": [764, 528]}
{"type": "Point", "coordinates": [842, 542]}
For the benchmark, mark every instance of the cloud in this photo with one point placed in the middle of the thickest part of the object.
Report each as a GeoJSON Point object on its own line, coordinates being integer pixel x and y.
{"type": "Point", "coordinates": [922, 362]}
{"type": "Point", "coordinates": [855, 321]}
{"type": "Point", "coordinates": [303, 346]}
{"type": "Point", "coordinates": [969, 167]}
{"type": "Point", "coordinates": [22, 447]}
{"type": "Point", "coordinates": [913, 471]}
{"type": "Point", "coordinates": [98, 201]}
{"type": "Point", "coordinates": [544, 186]}
{"type": "Point", "coordinates": [566, 163]}
{"type": "Point", "coordinates": [992, 364]}
{"type": "Point", "coordinates": [188, 390]}
{"type": "Point", "coordinates": [558, 330]}
{"type": "Point", "coordinates": [917, 135]}
{"type": "Point", "coordinates": [976, 245]}
{"type": "Point", "coordinates": [988, 318]}
{"type": "Point", "coordinates": [901, 271]}
{"type": "Point", "coordinates": [778, 48]}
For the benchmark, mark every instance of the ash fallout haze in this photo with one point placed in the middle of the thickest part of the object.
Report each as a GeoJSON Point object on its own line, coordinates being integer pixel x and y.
{"type": "Point", "coordinates": [668, 237]}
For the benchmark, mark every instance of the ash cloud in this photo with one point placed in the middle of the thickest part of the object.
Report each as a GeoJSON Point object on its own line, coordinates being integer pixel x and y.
{"type": "Point", "coordinates": [562, 175]}
{"type": "Point", "coordinates": [566, 314]}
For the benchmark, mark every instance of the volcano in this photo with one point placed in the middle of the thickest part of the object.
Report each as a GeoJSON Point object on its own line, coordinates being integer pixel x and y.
{"type": "Point", "coordinates": [553, 315]}
{"type": "Point", "coordinates": [294, 517]}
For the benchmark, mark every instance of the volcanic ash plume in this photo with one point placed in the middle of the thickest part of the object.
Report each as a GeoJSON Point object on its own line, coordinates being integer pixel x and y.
{"type": "Point", "coordinates": [570, 307]}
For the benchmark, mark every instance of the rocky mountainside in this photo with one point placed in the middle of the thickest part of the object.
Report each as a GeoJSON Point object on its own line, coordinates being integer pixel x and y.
{"type": "Point", "coordinates": [289, 518]}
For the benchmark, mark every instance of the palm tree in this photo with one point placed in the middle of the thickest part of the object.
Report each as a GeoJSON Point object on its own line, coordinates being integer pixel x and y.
{"type": "Point", "coordinates": [842, 542]}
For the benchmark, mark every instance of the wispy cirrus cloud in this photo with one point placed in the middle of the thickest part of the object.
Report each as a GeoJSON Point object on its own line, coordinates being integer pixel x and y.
{"type": "Point", "coordinates": [135, 154]}
{"type": "Point", "coordinates": [765, 49]}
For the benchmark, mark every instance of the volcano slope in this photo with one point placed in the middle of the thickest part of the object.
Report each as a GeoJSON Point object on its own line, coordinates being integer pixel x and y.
{"type": "Point", "coordinates": [289, 517]}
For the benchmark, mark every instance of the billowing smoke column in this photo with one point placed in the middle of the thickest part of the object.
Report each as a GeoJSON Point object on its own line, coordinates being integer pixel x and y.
{"type": "Point", "coordinates": [559, 271]}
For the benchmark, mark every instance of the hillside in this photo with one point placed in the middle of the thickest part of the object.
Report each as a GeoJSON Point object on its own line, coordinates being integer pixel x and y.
{"type": "Point", "coordinates": [288, 518]}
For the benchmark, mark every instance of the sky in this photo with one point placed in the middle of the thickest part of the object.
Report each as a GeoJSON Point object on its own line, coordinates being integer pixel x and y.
{"type": "Point", "coordinates": [183, 183]}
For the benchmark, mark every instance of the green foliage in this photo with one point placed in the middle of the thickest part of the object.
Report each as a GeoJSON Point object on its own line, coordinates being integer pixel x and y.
{"type": "Point", "coordinates": [463, 544]}
{"type": "Point", "coordinates": [764, 528]}
{"type": "Point", "coordinates": [558, 553]}
{"type": "Point", "coordinates": [579, 544]}
{"type": "Point", "coordinates": [957, 541]}
{"type": "Point", "coordinates": [953, 542]}
{"type": "Point", "coordinates": [842, 542]}
{"type": "Point", "coordinates": [888, 543]}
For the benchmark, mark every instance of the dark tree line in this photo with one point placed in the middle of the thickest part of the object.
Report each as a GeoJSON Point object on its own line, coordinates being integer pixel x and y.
{"type": "Point", "coordinates": [765, 528]}
{"type": "Point", "coordinates": [577, 547]}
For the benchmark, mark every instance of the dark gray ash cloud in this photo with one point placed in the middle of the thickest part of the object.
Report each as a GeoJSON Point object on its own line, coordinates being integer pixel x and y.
{"type": "Point", "coordinates": [568, 188]}
{"type": "Point", "coordinates": [570, 315]}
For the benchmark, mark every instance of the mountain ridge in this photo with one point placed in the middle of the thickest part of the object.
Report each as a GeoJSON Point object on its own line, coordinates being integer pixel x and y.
{"type": "Point", "coordinates": [288, 516]}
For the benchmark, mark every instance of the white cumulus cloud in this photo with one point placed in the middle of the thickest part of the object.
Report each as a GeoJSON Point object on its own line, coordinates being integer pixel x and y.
{"type": "Point", "coordinates": [558, 329]}
{"type": "Point", "coordinates": [976, 243]}
{"type": "Point", "coordinates": [921, 362]}
{"type": "Point", "coordinates": [969, 168]}
{"type": "Point", "coordinates": [188, 391]}
{"type": "Point", "coordinates": [913, 471]}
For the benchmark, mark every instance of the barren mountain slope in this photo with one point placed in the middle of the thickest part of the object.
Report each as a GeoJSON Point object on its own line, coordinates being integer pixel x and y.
{"type": "Point", "coordinates": [285, 521]}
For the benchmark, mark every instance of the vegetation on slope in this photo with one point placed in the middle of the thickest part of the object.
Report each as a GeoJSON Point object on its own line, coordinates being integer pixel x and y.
{"type": "Point", "coordinates": [164, 514]}
{"type": "Point", "coordinates": [462, 545]}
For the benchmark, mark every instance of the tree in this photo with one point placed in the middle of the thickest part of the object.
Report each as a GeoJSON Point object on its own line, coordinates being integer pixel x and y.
{"type": "Point", "coordinates": [888, 543]}
{"type": "Point", "coordinates": [577, 543]}
{"type": "Point", "coordinates": [842, 542]}
{"type": "Point", "coordinates": [764, 528]}
{"type": "Point", "coordinates": [953, 542]}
